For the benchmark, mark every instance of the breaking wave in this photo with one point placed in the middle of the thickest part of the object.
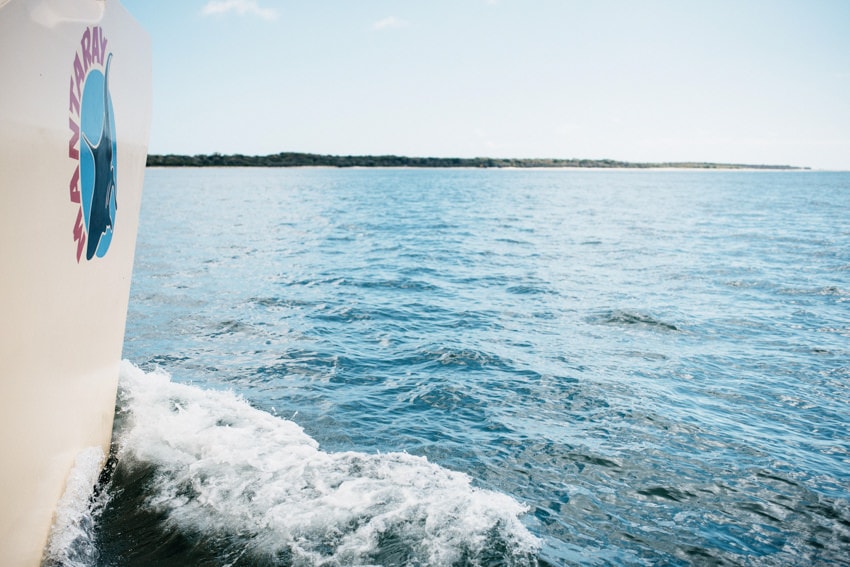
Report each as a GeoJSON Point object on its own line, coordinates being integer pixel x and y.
{"type": "Point", "coordinates": [205, 473]}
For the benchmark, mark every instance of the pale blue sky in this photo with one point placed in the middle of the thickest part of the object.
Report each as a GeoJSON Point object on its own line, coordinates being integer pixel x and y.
{"type": "Point", "coordinates": [745, 81]}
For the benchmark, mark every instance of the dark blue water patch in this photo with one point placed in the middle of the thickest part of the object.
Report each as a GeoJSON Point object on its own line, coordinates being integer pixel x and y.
{"type": "Point", "coordinates": [666, 493]}
{"type": "Point", "coordinates": [279, 303]}
{"type": "Point", "coordinates": [627, 317]}
{"type": "Point", "coordinates": [167, 360]}
{"type": "Point", "coordinates": [528, 290]}
{"type": "Point", "coordinates": [229, 327]}
{"type": "Point", "coordinates": [404, 284]}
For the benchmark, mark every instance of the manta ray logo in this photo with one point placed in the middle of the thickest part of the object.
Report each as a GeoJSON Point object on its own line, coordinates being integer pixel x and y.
{"type": "Point", "coordinates": [92, 146]}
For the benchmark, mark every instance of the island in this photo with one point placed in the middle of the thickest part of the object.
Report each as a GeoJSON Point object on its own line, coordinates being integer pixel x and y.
{"type": "Point", "coordinates": [297, 159]}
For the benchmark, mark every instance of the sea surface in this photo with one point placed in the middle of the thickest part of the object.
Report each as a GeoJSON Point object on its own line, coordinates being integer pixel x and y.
{"type": "Point", "coordinates": [482, 367]}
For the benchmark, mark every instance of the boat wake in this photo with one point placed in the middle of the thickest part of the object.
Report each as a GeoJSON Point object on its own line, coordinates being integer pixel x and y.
{"type": "Point", "coordinates": [202, 476]}
{"type": "Point", "coordinates": [72, 536]}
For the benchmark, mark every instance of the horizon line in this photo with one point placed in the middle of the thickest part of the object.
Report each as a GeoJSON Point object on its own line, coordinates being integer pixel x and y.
{"type": "Point", "coordinates": [296, 159]}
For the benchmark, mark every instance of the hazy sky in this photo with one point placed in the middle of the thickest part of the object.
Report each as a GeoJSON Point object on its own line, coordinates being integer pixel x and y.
{"type": "Point", "coordinates": [744, 81]}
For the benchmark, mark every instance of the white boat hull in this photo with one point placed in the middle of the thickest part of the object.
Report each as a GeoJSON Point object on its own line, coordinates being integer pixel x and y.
{"type": "Point", "coordinates": [66, 259]}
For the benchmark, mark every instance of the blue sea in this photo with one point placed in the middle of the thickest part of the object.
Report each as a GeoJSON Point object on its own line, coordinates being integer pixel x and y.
{"type": "Point", "coordinates": [483, 367]}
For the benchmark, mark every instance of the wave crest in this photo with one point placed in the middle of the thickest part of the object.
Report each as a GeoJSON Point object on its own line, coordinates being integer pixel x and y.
{"type": "Point", "coordinates": [254, 486]}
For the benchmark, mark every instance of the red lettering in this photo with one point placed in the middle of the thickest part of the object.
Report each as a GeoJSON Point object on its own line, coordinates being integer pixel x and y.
{"type": "Point", "coordinates": [74, 105]}
{"type": "Point", "coordinates": [85, 43]}
{"type": "Point", "coordinates": [102, 48]}
{"type": "Point", "coordinates": [74, 186]}
{"type": "Point", "coordinates": [79, 75]}
{"type": "Point", "coordinates": [73, 152]}
{"type": "Point", "coordinates": [79, 234]}
{"type": "Point", "coordinates": [96, 55]}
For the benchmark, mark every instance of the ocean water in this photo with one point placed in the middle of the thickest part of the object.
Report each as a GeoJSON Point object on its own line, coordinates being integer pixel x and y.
{"type": "Point", "coordinates": [482, 367]}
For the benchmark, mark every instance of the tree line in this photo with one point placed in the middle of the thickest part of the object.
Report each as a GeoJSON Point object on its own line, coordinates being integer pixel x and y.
{"type": "Point", "coordinates": [297, 159]}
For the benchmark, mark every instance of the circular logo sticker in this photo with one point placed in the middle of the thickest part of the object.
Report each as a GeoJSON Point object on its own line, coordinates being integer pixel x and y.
{"type": "Point", "coordinates": [93, 146]}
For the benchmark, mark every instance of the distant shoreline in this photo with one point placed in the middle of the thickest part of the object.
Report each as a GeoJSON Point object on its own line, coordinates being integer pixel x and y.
{"type": "Point", "coordinates": [295, 159]}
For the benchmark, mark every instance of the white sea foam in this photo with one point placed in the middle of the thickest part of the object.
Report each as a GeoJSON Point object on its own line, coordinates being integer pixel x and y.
{"type": "Point", "coordinates": [71, 542]}
{"type": "Point", "coordinates": [230, 472]}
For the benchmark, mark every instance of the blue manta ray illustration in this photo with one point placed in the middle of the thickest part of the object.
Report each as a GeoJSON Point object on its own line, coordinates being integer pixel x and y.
{"type": "Point", "coordinates": [101, 215]}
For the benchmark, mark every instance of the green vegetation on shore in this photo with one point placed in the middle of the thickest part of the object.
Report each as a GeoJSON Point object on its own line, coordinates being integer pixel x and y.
{"type": "Point", "coordinates": [294, 159]}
